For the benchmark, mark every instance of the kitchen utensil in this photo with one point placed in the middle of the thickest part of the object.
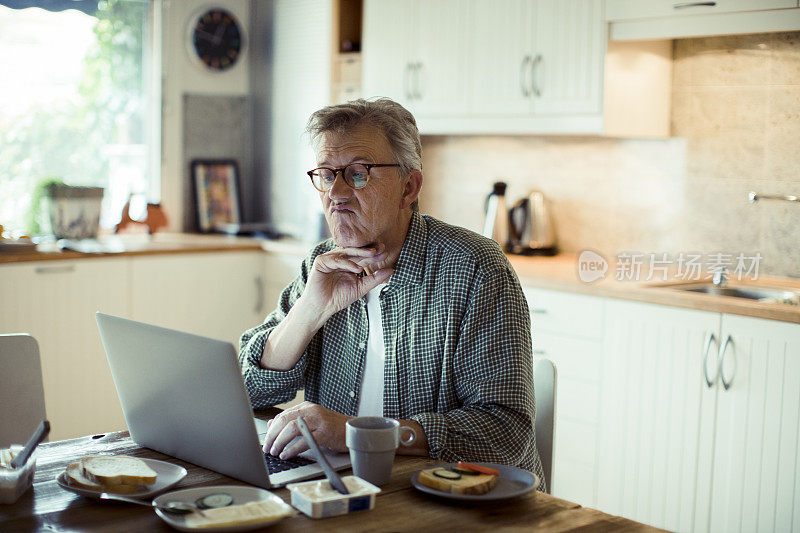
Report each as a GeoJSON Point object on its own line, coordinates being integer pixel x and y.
{"type": "Point", "coordinates": [37, 437]}
{"type": "Point", "coordinates": [334, 479]}
{"type": "Point", "coordinates": [532, 231]}
{"type": "Point", "coordinates": [496, 216]}
{"type": "Point", "coordinates": [170, 507]}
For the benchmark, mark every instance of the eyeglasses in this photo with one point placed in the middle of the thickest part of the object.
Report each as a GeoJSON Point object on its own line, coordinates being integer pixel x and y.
{"type": "Point", "coordinates": [356, 175]}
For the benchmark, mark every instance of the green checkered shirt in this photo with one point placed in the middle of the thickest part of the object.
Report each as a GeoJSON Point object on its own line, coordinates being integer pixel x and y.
{"type": "Point", "coordinates": [458, 349]}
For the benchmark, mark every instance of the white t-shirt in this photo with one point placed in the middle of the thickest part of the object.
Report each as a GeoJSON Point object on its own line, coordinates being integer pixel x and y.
{"type": "Point", "coordinates": [371, 399]}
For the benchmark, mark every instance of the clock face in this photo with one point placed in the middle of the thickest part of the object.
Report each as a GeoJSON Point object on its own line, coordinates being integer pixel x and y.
{"type": "Point", "coordinates": [217, 39]}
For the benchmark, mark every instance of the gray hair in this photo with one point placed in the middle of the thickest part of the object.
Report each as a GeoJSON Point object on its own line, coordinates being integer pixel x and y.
{"type": "Point", "coordinates": [387, 116]}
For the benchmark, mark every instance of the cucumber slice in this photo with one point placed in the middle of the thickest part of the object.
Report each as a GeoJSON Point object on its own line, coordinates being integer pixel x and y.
{"type": "Point", "coordinates": [464, 472]}
{"type": "Point", "coordinates": [446, 474]}
{"type": "Point", "coordinates": [212, 501]}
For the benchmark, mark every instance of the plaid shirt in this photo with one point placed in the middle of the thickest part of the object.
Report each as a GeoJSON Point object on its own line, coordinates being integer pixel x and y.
{"type": "Point", "coordinates": [458, 349]}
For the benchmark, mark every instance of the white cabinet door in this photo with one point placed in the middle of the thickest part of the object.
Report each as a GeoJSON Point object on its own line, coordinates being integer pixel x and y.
{"type": "Point", "coordinates": [440, 41]}
{"type": "Point", "coordinates": [502, 52]}
{"type": "Point", "coordinates": [217, 295]}
{"type": "Point", "coordinates": [387, 63]}
{"type": "Point", "coordinates": [637, 9]}
{"type": "Point", "coordinates": [55, 301]}
{"type": "Point", "coordinates": [280, 269]}
{"type": "Point", "coordinates": [657, 415]}
{"type": "Point", "coordinates": [567, 329]}
{"type": "Point", "coordinates": [567, 70]}
{"type": "Point", "coordinates": [757, 446]}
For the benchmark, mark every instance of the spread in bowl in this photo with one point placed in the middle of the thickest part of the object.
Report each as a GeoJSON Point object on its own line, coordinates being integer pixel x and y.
{"type": "Point", "coordinates": [318, 499]}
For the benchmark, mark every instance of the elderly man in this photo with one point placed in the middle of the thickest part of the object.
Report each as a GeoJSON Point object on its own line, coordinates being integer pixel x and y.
{"type": "Point", "coordinates": [398, 315]}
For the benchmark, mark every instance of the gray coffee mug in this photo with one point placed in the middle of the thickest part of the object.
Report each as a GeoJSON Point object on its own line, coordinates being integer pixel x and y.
{"type": "Point", "coordinates": [372, 441]}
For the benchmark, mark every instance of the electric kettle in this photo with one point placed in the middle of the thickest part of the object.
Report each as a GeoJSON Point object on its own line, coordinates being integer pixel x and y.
{"type": "Point", "coordinates": [532, 231]}
{"type": "Point", "coordinates": [496, 221]}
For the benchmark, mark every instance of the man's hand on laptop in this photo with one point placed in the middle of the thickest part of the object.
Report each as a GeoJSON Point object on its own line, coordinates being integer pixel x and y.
{"type": "Point", "coordinates": [327, 427]}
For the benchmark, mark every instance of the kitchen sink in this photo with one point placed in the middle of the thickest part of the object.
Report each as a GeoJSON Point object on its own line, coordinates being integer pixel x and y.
{"type": "Point", "coordinates": [760, 294]}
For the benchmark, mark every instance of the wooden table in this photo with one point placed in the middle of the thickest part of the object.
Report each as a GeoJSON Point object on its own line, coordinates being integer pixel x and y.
{"type": "Point", "coordinates": [399, 507]}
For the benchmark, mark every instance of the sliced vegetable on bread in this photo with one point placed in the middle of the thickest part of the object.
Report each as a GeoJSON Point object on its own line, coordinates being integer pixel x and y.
{"type": "Point", "coordinates": [454, 482]}
{"type": "Point", "coordinates": [478, 468]}
{"type": "Point", "coordinates": [111, 470]}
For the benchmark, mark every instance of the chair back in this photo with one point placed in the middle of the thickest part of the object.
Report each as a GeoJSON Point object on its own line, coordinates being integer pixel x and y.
{"type": "Point", "coordinates": [21, 390]}
{"type": "Point", "coordinates": [544, 384]}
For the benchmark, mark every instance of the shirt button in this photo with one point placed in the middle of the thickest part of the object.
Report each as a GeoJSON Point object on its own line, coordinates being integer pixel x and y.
{"type": "Point", "coordinates": [362, 345]}
{"type": "Point", "coordinates": [352, 394]}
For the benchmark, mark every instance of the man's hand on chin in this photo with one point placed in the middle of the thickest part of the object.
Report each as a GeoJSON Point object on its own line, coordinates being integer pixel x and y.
{"type": "Point", "coordinates": [327, 427]}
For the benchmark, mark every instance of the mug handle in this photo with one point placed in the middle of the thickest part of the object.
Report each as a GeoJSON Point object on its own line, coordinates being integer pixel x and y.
{"type": "Point", "coordinates": [412, 437]}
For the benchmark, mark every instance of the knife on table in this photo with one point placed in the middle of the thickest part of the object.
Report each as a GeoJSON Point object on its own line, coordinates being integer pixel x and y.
{"type": "Point", "coordinates": [333, 478]}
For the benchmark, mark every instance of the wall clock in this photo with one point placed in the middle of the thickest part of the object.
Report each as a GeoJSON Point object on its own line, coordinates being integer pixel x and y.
{"type": "Point", "coordinates": [215, 39]}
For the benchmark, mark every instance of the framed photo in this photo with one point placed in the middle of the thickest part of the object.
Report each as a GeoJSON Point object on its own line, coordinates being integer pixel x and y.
{"type": "Point", "coordinates": [216, 186]}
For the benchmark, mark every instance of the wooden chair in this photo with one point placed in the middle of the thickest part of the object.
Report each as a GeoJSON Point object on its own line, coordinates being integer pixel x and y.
{"type": "Point", "coordinates": [544, 384]}
{"type": "Point", "coordinates": [21, 390]}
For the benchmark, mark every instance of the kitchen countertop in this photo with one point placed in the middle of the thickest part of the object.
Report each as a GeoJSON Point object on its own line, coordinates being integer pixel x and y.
{"type": "Point", "coordinates": [558, 273]}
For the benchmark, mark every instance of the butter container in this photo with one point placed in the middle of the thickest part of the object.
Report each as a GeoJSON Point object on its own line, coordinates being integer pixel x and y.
{"type": "Point", "coordinates": [15, 481]}
{"type": "Point", "coordinates": [318, 499]}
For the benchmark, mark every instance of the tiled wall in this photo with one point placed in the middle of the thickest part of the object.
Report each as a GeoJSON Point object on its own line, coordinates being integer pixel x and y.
{"type": "Point", "coordinates": [735, 126]}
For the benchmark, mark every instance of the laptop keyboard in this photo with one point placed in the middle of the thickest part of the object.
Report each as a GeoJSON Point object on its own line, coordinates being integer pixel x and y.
{"type": "Point", "coordinates": [276, 464]}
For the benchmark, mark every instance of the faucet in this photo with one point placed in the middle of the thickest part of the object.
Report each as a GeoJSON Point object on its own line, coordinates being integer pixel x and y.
{"type": "Point", "coordinates": [720, 278]}
{"type": "Point", "coordinates": [754, 197]}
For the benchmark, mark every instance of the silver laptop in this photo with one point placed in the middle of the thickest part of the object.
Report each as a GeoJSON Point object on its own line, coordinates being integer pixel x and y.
{"type": "Point", "coordinates": [183, 395]}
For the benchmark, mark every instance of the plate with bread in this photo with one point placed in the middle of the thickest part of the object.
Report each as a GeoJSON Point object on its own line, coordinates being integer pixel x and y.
{"type": "Point", "coordinates": [474, 481]}
{"type": "Point", "coordinates": [119, 474]}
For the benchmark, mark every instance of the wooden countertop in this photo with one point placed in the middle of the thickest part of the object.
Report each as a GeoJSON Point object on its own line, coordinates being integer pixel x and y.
{"type": "Point", "coordinates": [560, 273]}
{"type": "Point", "coordinates": [398, 506]}
{"type": "Point", "coordinates": [557, 273]}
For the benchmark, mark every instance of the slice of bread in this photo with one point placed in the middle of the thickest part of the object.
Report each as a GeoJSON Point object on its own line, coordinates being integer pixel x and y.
{"type": "Point", "coordinates": [478, 484]}
{"type": "Point", "coordinates": [76, 478]}
{"type": "Point", "coordinates": [111, 470]}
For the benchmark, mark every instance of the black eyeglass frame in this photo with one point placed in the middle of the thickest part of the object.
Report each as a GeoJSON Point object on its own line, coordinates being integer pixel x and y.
{"type": "Point", "coordinates": [368, 166]}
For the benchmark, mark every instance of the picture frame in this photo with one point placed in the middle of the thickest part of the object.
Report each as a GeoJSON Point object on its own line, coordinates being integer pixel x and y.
{"type": "Point", "coordinates": [216, 187]}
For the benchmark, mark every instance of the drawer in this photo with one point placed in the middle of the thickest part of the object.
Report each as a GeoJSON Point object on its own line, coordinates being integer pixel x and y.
{"type": "Point", "coordinates": [575, 315]}
{"type": "Point", "coordinates": [574, 482]}
{"type": "Point", "coordinates": [637, 9]}
{"type": "Point", "coordinates": [576, 442]}
{"type": "Point", "coordinates": [577, 401]}
{"type": "Point", "coordinates": [575, 358]}
{"type": "Point", "coordinates": [348, 69]}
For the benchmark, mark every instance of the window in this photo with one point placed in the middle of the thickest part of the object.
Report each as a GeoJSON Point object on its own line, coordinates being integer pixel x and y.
{"type": "Point", "coordinates": [79, 102]}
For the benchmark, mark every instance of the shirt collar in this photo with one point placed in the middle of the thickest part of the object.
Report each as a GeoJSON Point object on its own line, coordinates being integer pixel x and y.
{"type": "Point", "coordinates": [410, 266]}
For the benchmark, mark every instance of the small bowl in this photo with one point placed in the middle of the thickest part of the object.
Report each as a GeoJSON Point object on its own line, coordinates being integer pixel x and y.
{"type": "Point", "coordinates": [318, 500]}
{"type": "Point", "coordinates": [15, 481]}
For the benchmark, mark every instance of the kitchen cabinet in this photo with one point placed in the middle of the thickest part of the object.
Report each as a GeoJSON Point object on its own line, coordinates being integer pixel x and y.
{"type": "Point", "coordinates": [568, 329]}
{"type": "Point", "coordinates": [694, 436]}
{"type": "Point", "coordinates": [672, 19]}
{"type": "Point", "coordinates": [55, 301]}
{"type": "Point", "coordinates": [756, 449]}
{"type": "Point", "coordinates": [534, 66]}
{"type": "Point", "coordinates": [216, 295]}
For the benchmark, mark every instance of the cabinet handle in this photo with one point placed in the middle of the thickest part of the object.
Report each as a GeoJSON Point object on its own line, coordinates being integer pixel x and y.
{"type": "Point", "coordinates": [540, 352]}
{"type": "Point", "coordinates": [722, 352]}
{"type": "Point", "coordinates": [417, 92]}
{"type": "Point", "coordinates": [539, 311]}
{"type": "Point", "coordinates": [535, 89]}
{"type": "Point", "coordinates": [711, 338]}
{"type": "Point", "coordinates": [522, 70]}
{"type": "Point", "coordinates": [681, 5]}
{"type": "Point", "coordinates": [259, 295]}
{"type": "Point", "coordinates": [55, 269]}
{"type": "Point", "coordinates": [406, 76]}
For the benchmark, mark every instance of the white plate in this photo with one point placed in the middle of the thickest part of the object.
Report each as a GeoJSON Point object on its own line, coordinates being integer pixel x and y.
{"type": "Point", "coordinates": [240, 493]}
{"type": "Point", "coordinates": [168, 476]}
{"type": "Point", "coordinates": [513, 482]}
